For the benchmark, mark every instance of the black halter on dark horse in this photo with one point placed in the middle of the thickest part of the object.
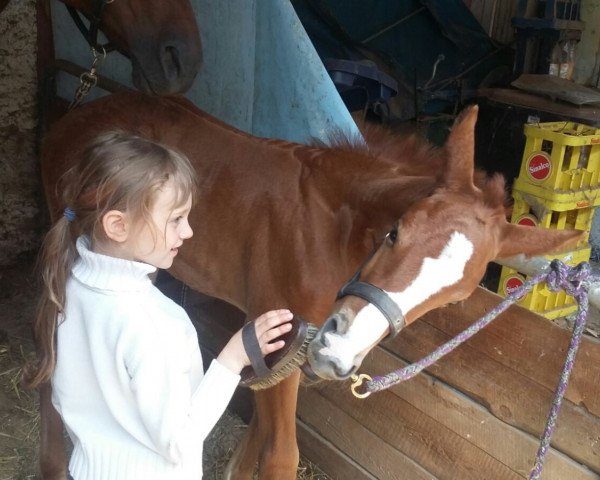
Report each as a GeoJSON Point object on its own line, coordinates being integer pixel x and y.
{"type": "Point", "coordinates": [91, 33]}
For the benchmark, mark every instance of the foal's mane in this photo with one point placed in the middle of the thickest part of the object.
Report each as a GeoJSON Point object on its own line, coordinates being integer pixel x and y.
{"type": "Point", "coordinates": [412, 154]}
{"type": "Point", "coordinates": [380, 144]}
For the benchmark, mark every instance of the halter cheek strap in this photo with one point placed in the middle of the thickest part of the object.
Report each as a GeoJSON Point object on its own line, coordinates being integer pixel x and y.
{"type": "Point", "coordinates": [91, 33]}
{"type": "Point", "coordinates": [379, 299]}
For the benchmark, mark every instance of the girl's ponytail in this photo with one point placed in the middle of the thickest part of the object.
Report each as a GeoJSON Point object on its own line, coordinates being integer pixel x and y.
{"type": "Point", "coordinates": [57, 257]}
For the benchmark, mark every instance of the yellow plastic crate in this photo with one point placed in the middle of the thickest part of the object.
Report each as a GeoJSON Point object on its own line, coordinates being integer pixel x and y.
{"type": "Point", "coordinates": [558, 199]}
{"type": "Point", "coordinates": [533, 211]}
{"type": "Point", "coordinates": [540, 299]}
{"type": "Point", "coordinates": [561, 158]}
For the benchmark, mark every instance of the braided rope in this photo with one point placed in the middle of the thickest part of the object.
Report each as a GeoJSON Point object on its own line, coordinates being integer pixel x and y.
{"type": "Point", "coordinates": [573, 280]}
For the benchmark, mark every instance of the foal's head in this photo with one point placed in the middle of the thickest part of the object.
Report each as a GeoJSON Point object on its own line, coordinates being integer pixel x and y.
{"type": "Point", "coordinates": [436, 253]}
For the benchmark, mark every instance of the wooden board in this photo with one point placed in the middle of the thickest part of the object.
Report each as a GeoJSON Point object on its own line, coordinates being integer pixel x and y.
{"type": "Point", "coordinates": [588, 114]}
{"type": "Point", "coordinates": [336, 431]}
{"type": "Point", "coordinates": [322, 452]}
{"type": "Point", "coordinates": [403, 429]}
{"type": "Point", "coordinates": [556, 87]}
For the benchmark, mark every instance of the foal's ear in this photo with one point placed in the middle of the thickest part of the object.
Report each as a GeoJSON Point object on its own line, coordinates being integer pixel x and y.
{"type": "Point", "coordinates": [460, 148]}
{"type": "Point", "coordinates": [516, 239]}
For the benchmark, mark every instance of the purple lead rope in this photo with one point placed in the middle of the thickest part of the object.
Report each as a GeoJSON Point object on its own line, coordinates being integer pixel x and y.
{"type": "Point", "coordinates": [560, 277]}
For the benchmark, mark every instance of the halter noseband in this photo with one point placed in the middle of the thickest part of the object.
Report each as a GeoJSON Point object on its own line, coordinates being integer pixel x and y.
{"type": "Point", "coordinates": [91, 33]}
{"type": "Point", "coordinates": [376, 296]}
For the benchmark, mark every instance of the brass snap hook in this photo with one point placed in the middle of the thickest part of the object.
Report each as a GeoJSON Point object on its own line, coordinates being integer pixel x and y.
{"type": "Point", "coordinates": [357, 381]}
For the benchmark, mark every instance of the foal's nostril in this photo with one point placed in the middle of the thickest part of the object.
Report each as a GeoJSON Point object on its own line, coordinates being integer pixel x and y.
{"type": "Point", "coordinates": [342, 372]}
{"type": "Point", "coordinates": [330, 325]}
{"type": "Point", "coordinates": [333, 326]}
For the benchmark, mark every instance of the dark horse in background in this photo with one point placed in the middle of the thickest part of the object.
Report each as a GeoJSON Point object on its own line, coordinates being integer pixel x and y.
{"type": "Point", "coordinates": [279, 224]}
{"type": "Point", "coordinates": [160, 38]}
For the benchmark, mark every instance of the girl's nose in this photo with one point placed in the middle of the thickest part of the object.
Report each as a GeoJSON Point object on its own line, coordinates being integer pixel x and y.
{"type": "Point", "coordinates": [186, 231]}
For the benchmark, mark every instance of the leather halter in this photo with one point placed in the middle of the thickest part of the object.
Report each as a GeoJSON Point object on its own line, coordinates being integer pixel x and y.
{"type": "Point", "coordinates": [91, 33]}
{"type": "Point", "coordinates": [376, 296]}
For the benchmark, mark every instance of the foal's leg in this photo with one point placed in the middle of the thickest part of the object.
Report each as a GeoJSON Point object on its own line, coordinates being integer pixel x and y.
{"type": "Point", "coordinates": [242, 463]}
{"type": "Point", "coordinates": [276, 408]}
{"type": "Point", "coordinates": [53, 458]}
{"type": "Point", "coordinates": [271, 437]}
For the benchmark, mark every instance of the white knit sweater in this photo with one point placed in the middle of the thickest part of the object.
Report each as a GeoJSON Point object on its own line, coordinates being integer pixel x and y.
{"type": "Point", "coordinates": [129, 381]}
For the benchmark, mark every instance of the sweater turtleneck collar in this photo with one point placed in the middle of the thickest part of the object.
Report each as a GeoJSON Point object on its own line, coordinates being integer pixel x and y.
{"type": "Point", "coordinates": [109, 273]}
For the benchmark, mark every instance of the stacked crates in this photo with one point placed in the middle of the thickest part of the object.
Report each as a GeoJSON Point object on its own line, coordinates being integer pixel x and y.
{"type": "Point", "coordinates": [558, 187]}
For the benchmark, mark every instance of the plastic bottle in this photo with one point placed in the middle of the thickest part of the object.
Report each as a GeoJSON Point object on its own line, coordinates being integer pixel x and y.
{"type": "Point", "coordinates": [572, 56]}
{"type": "Point", "coordinates": [555, 56]}
{"type": "Point", "coordinates": [567, 62]}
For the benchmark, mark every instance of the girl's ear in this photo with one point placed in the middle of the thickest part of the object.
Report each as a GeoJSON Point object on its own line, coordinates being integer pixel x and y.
{"type": "Point", "coordinates": [115, 225]}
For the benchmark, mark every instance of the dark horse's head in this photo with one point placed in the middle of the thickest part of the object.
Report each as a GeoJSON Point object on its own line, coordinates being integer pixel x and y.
{"type": "Point", "coordinates": [160, 37]}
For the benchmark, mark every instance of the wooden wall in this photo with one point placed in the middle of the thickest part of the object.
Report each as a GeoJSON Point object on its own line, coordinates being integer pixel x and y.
{"type": "Point", "coordinates": [477, 413]}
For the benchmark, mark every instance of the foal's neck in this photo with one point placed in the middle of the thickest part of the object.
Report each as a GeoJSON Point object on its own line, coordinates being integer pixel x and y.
{"type": "Point", "coordinates": [379, 189]}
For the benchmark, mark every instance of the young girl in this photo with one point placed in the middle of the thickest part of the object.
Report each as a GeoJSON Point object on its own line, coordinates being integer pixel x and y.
{"type": "Point", "coordinates": [123, 359]}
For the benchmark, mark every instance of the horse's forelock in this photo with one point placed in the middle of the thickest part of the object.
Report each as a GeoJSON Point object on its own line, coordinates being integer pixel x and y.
{"type": "Point", "coordinates": [493, 188]}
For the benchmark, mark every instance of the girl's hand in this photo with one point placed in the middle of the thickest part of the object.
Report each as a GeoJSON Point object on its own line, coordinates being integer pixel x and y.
{"type": "Point", "coordinates": [268, 326]}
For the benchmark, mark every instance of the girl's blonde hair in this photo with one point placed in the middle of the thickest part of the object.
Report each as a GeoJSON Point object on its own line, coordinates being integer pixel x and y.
{"type": "Point", "coordinates": [117, 171]}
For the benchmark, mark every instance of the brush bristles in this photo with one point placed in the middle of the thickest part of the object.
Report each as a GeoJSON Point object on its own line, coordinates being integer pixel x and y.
{"type": "Point", "coordinates": [294, 364]}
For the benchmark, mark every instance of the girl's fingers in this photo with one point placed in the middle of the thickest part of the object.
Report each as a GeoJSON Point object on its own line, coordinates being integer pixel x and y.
{"type": "Point", "coordinates": [271, 325]}
{"type": "Point", "coordinates": [273, 314]}
{"type": "Point", "coordinates": [273, 333]}
{"type": "Point", "coordinates": [271, 320]}
{"type": "Point", "coordinates": [272, 347]}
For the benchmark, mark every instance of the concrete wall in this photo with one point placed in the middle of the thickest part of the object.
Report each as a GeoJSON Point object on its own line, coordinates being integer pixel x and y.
{"type": "Point", "coordinates": [587, 68]}
{"type": "Point", "coordinates": [19, 186]}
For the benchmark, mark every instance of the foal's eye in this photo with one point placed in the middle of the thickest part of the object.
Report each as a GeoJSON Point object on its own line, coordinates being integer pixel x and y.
{"type": "Point", "coordinates": [392, 236]}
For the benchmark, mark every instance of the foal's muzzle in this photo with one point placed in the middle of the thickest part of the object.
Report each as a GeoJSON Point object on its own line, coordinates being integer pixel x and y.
{"type": "Point", "coordinates": [332, 367]}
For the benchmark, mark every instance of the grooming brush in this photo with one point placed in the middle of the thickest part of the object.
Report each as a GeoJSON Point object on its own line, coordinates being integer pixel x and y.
{"type": "Point", "coordinates": [286, 361]}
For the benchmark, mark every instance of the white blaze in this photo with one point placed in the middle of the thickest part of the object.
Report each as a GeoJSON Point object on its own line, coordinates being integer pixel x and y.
{"type": "Point", "coordinates": [369, 323]}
